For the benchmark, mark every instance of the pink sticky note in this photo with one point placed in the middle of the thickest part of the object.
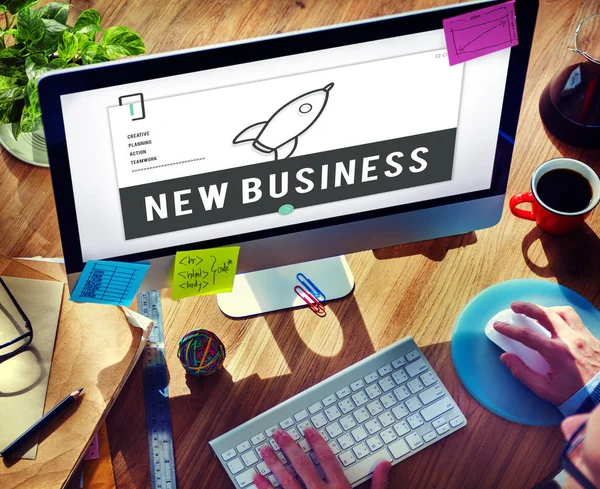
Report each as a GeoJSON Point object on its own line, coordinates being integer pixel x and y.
{"type": "Point", "coordinates": [93, 451]}
{"type": "Point", "coordinates": [481, 32]}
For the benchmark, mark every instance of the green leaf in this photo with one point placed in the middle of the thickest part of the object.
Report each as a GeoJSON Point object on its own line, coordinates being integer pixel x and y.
{"type": "Point", "coordinates": [52, 36]}
{"type": "Point", "coordinates": [67, 46]}
{"type": "Point", "coordinates": [36, 66]}
{"type": "Point", "coordinates": [17, 73]}
{"type": "Point", "coordinates": [119, 41]}
{"type": "Point", "coordinates": [58, 11]}
{"type": "Point", "coordinates": [87, 17]}
{"type": "Point", "coordinates": [11, 55]}
{"type": "Point", "coordinates": [93, 53]}
{"type": "Point", "coordinates": [9, 90]}
{"type": "Point", "coordinates": [11, 111]}
{"type": "Point", "coordinates": [15, 6]}
{"type": "Point", "coordinates": [30, 26]}
{"type": "Point", "coordinates": [90, 31]}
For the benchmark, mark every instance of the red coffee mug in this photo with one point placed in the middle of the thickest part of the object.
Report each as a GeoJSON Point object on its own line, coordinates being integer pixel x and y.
{"type": "Point", "coordinates": [548, 219]}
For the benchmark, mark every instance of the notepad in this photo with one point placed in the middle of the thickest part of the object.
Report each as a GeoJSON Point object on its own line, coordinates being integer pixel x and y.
{"type": "Point", "coordinates": [109, 282]}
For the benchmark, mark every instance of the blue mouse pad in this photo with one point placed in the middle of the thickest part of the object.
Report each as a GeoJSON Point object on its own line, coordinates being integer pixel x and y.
{"type": "Point", "coordinates": [477, 359]}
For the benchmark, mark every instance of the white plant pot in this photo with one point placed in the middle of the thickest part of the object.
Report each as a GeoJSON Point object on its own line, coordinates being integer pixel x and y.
{"type": "Point", "coordinates": [30, 147]}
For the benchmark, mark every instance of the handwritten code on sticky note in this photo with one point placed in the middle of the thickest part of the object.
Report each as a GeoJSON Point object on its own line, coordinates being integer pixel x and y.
{"type": "Point", "coordinates": [93, 451]}
{"type": "Point", "coordinates": [203, 272]}
{"type": "Point", "coordinates": [481, 32]}
{"type": "Point", "coordinates": [109, 282]}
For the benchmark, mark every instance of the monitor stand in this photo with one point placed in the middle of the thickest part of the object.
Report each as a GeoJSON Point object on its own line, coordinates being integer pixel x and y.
{"type": "Point", "coordinates": [273, 289]}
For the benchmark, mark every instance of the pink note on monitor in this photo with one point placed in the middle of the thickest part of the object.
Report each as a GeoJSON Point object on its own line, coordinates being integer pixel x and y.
{"type": "Point", "coordinates": [481, 32]}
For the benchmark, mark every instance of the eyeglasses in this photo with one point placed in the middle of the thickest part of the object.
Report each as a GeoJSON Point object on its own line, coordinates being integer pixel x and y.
{"type": "Point", "coordinates": [568, 465]}
{"type": "Point", "coordinates": [21, 342]}
{"type": "Point", "coordinates": [574, 40]}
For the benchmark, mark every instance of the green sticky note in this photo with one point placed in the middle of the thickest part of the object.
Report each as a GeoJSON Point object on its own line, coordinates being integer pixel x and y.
{"type": "Point", "coordinates": [203, 272]}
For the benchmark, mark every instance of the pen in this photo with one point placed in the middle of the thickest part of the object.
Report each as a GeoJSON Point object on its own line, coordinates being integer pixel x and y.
{"type": "Point", "coordinates": [43, 421]}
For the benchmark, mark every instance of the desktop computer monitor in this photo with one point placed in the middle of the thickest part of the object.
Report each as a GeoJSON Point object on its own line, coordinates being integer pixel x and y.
{"type": "Point", "coordinates": [297, 147]}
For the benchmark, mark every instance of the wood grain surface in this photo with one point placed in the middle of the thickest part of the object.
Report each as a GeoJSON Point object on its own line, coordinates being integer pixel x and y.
{"type": "Point", "coordinates": [417, 289]}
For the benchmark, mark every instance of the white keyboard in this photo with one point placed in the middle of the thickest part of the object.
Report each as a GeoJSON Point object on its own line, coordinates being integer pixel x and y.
{"type": "Point", "coordinates": [388, 406]}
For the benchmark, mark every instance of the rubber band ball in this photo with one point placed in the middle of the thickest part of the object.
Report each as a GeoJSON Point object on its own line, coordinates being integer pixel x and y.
{"type": "Point", "coordinates": [201, 352]}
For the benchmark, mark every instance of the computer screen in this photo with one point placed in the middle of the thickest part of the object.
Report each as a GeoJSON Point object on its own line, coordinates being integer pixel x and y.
{"type": "Point", "coordinates": [321, 131]}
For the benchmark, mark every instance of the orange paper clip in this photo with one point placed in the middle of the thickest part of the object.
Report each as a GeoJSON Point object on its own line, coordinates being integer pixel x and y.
{"type": "Point", "coordinates": [315, 305]}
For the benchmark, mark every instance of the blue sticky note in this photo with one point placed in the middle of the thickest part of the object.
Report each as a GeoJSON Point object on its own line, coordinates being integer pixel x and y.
{"type": "Point", "coordinates": [109, 282]}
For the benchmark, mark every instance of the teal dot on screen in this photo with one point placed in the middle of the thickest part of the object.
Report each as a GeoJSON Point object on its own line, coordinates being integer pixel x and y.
{"type": "Point", "coordinates": [286, 209]}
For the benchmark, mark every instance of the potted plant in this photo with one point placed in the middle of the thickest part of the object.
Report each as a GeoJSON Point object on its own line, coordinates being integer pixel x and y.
{"type": "Point", "coordinates": [37, 41]}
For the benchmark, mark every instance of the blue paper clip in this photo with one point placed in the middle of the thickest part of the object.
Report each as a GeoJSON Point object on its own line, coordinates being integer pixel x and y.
{"type": "Point", "coordinates": [311, 301]}
{"type": "Point", "coordinates": [310, 287]}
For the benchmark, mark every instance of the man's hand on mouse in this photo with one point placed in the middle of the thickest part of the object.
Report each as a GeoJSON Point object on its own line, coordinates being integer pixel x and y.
{"type": "Point", "coordinates": [306, 469]}
{"type": "Point", "coordinates": [572, 352]}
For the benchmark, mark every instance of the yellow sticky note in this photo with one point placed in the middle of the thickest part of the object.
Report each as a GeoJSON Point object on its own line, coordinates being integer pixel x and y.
{"type": "Point", "coordinates": [203, 272]}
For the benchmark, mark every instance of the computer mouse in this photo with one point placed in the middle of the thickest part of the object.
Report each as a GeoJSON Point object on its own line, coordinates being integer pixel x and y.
{"type": "Point", "coordinates": [530, 357]}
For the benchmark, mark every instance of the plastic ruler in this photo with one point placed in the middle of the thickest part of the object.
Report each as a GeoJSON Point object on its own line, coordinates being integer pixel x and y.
{"type": "Point", "coordinates": [156, 396]}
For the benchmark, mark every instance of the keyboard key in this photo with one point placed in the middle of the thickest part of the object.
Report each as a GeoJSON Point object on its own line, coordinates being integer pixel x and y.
{"type": "Point", "coordinates": [413, 404]}
{"type": "Point", "coordinates": [347, 422]}
{"type": "Point", "coordinates": [431, 394]}
{"type": "Point", "coordinates": [415, 421]}
{"type": "Point", "coordinates": [412, 355]}
{"type": "Point", "coordinates": [400, 376]}
{"type": "Point", "coordinates": [282, 458]}
{"type": "Point", "coordinates": [274, 445]}
{"type": "Point", "coordinates": [386, 384]}
{"type": "Point", "coordinates": [259, 449]}
{"type": "Point", "coordinates": [386, 369]}
{"type": "Point", "coordinates": [334, 430]}
{"type": "Point", "coordinates": [415, 386]}
{"type": "Point", "coordinates": [373, 426]}
{"type": "Point", "coordinates": [443, 429]}
{"type": "Point", "coordinates": [355, 386]}
{"type": "Point", "coordinates": [346, 406]}
{"type": "Point", "coordinates": [401, 393]}
{"type": "Point", "coordinates": [399, 449]}
{"type": "Point", "coordinates": [245, 478]}
{"type": "Point", "coordinates": [333, 413]}
{"type": "Point", "coordinates": [375, 408]}
{"type": "Point", "coordinates": [235, 466]}
{"type": "Point", "coordinates": [388, 400]}
{"type": "Point", "coordinates": [437, 408]}
{"type": "Point", "coordinates": [388, 436]}
{"type": "Point", "coordinates": [343, 392]}
{"type": "Point", "coordinates": [400, 411]}
{"type": "Point", "coordinates": [374, 443]}
{"type": "Point", "coordinates": [335, 448]}
{"type": "Point", "coordinates": [428, 378]}
{"type": "Point", "coordinates": [361, 415]}
{"type": "Point", "coordinates": [228, 455]}
{"type": "Point", "coordinates": [301, 415]}
{"type": "Point", "coordinates": [271, 431]}
{"type": "Point", "coordinates": [360, 398]}
{"type": "Point", "coordinates": [372, 377]}
{"type": "Point", "coordinates": [361, 450]}
{"type": "Point", "coordinates": [373, 391]}
{"type": "Point", "coordinates": [416, 368]}
{"type": "Point", "coordinates": [286, 423]}
{"type": "Point", "coordinates": [273, 480]}
{"type": "Point", "coordinates": [427, 437]}
{"type": "Point", "coordinates": [359, 434]}
{"type": "Point", "coordinates": [345, 441]}
{"type": "Point", "coordinates": [259, 438]}
{"type": "Point", "coordinates": [414, 441]}
{"type": "Point", "coordinates": [386, 419]}
{"type": "Point", "coordinates": [304, 445]}
{"type": "Point", "coordinates": [399, 362]}
{"type": "Point", "coordinates": [329, 400]}
{"type": "Point", "coordinates": [454, 422]}
{"type": "Point", "coordinates": [242, 447]}
{"type": "Point", "coordinates": [366, 466]}
{"type": "Point", "coordinates": [438, 422]}
{"type": "Point", "coordinates": [347, 458]}
{"type": "Point", "coordinates": [401, 428]}
{"type": "Point", "coordinates": [317, 406]}
{"type": "Point", "coordinates": [319, 420]}
{"type": "Point", "coordinates": [293, 432]}
{"type": "Point", "coordinates": [263, 468]}
{"type": "Point", "coordinates": [249, 458]}
{"type": "Point", "coordinates": [302, 426]}
{"type": "Point", "coordinates": [324, 434]}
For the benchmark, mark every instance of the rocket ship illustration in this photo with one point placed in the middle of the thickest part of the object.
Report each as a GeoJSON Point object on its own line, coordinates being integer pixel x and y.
{"type": "Point", "coordinates": [279, 134]}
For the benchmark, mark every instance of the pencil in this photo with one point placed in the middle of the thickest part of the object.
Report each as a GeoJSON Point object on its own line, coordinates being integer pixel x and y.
{"type": "Point", "coordinates": [43, 421]}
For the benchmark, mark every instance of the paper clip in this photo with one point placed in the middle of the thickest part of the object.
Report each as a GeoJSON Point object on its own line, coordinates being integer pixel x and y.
{"type": "Point", "coordinates": [311, 300]}
{"type": "Point", "coordinates": [310, 287]}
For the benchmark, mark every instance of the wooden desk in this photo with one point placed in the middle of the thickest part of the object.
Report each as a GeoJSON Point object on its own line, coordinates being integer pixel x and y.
{"type": "Point", "coordinates": [416, 289]}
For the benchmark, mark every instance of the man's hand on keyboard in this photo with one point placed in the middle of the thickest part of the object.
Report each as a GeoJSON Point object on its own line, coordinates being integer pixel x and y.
{"type": "Point", "coordinates": [572, 352]}
{"type": "Point", "coordinates": [306, 469]}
